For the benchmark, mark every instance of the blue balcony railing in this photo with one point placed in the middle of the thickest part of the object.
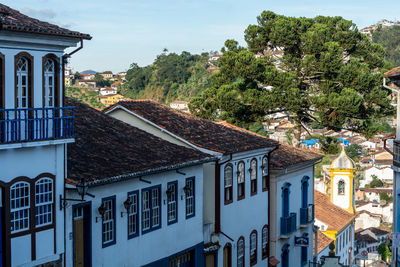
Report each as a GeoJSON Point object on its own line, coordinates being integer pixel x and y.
{"type": "Point", "coordinates": [36, 124]}
{"type": "Point", "coordinates": [307, 214]}
{"type": "Point", "coordinates": [288, 224]}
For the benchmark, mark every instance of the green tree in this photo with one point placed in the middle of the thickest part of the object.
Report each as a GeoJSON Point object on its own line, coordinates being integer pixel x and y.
{"type": "Point", "coordinates": [384, 251]}
{"type": "Point", "coordinates": [328, 73]}
{"type": "Point", "coordinates": [353, 151]}
{"type": "Point", "coordinates": [100, 80]}
{"type": "Point", "coordinates": [375, 182]}
{"type": "Point", "coordinates": [389, 38]}
{"type": "Point", "coordinates": [329, 144]}
{"type": "Point", "coordinates": [385, 196]}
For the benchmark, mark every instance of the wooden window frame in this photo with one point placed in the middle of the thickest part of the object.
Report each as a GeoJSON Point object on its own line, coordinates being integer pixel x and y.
{"type": "Point", "coordinates": [253, 181]}
{"type": "Point", "coordinates": [30, 92]}
{"type": "Point", "coordinates": [253, 261]}
{"type": "Point", "coordinates": [241, 185]}
{"type": "Point", "coordinates": [264, 176]}
{"type": "Point", "coordinates": [264, 252]}
{"type": "Point", "coordinates": [228, 189]}
{"type": "Point", "coordinates": [229, 263]}
{"type": "Point", "coordinates": [56, 89]}
{"type": "Point", "coordinates": [244, 252]}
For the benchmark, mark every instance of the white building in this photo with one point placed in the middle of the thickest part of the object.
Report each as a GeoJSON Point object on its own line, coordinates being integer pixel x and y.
{"type": "Point", "coordinates": [385, 210]}
{"type": "Point", "coordinates": [366, 219]}
{"type": "Point", "coordinates": [385, 174]}
{"type": "Point", "coordinates": [292, 205]}
{"type": "Point", "coordinates": [108, 91]}
{"type": "Point", "coordinates": [369, 240]}
{"type": "Point", "coordinates": [33, 139]}
{"type": "Point", "coordinates": [146, 210]}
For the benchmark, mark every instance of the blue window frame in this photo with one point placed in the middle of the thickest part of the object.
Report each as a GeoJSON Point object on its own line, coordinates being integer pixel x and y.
{"type": "Point", "coordinates": [108, 236]}
{"type": "Point", "coordinates": [285, 200]}
{"type": "Point", "coordinates": [133, 215]}
{"type": "Point", "coordinates": [190, 197]}
{"type": "Point", "coordinates": [172, 202]}
{"type": "Point", "coordinates": [151, 209]}
{"type": "Point", "coordinates": [304, 192]}
{"type": "Point", "coordinates": [303, 256]}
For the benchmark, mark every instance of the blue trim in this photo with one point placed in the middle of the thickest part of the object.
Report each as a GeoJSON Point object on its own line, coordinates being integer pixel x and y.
{"type": "Point", "coordinates": [285, 255]}
{"type": "Point", "coordinates": [112, 198]}
{"type": "Point", "coordinates": [304, 191]}
{"type": "Point", "coordinates": [87, 224]}
{"type": "Point", "coordinates": [150, 190]}
{"type": "Point", "coordinates": [285, 200]}
{"type": "Point", "coordinates": [304, 256]}
{"type": "Point", "coordinates": [197, 255]}
{"type": "Point", "coordinates": [176, 202]}
{"type": "Point", "coordinates": [136, 192]}
{"type": "Point", "coordinates": [194, 197]}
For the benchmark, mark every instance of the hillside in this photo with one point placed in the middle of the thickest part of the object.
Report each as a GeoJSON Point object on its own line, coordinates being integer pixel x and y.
{"type": "Point", "coordinates": [170, 77]}
{"type": "Point", "coordinates": [85, 96]}
{"type": "Point", "coordinates": [389, 38]}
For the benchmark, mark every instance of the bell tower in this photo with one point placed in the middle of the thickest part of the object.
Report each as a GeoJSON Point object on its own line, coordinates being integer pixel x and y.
{"type": "Point", "coordinates": [342, 182]}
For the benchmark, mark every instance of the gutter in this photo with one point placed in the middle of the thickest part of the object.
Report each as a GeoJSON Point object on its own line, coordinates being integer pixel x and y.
{"type": "Point", "coordinates": [124, 177]}
{"type": "Point", "coordinates": [68, 55]}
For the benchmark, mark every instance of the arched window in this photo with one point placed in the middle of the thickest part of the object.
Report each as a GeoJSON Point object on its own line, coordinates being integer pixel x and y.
{"type": "Point", "coordinates": [304, 192]}
{"type": "Point", "coordinates": [228, 255]}
{"type": "Point", "coordinates": [264, 167]}
{"type": "Point", "coordinates": [49, 82]}
{"type": "Point", "coordinates": [264, 242]}
{"type": "Point", "coordinates": [253, 176]}
{"type": "Point", "coordinates": [240, 252]}
{"type": "Point", "coordinates": [23, 82]}
{"type": "Point", "coordinates": [341, 187]}
{"type": "Point", "coordinates": [253, 247]}
{"type": "Point", "coordinates": [240, 180]}
{"type": "Point", "coordinates": [44, 202]}
{"type": "Point", "coordinates": [19, 206]}
{"type": "Point", "coordinates": [228, 178]}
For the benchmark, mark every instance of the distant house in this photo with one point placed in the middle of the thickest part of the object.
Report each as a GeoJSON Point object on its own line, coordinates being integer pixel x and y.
{"type": "Point", "coordinates": [374, 207]}
{"type": "Point", "coordinates": [368, 145]}
{"type": "Point", "coordinates": [369, 239]}
{"type": "Point", "coordinates": [214, 58]}
{"type": "Point", "coordinates": [365, 219]}
{"type": "Point", "coordinates": [385, 174]}
{"type": "Point", "coordinates": [115, 84]}
{"type": "Point", "coordinates": [180, 105]}
{"type": "Point", "coordinates": [108, 91]}
{"type": "Point", "coordinates": [87, 83]}
{"type": "Point", "coordinates": [107, 75]}
{"type": "Point", "coordinates": [110, 99]}
{"type": "Point", "coordinates": [382, 159]}
{"type": "Point", "coordinates": [122, 75]}
{"type": "Point", "coordinates": [87, 76]}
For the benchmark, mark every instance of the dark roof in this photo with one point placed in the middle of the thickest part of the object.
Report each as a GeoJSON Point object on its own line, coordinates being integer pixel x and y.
{"type": "Point", "coordinates": [219, 137]}
{"type": "Point", "coordinates": [285, 156]}
{"type": "Point", "coordinates": [325, 211]}
{"type": "Point", "coordinates": [377, 231]}
{"type": "Point", "coordinates": [12, 20]}
{"type": "Point", "coordinates": [108, 150]}
{"type": "Point", "coordinates": [365, 237]}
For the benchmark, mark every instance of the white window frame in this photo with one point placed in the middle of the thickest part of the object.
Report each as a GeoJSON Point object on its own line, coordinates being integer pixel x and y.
{"type": "Point", "coordinates": [108, 222]}
{"type": "Point", "coordinates": [133, 227]}
{"type": "Point", "coordinates": [44, 207]}
{"type": "Point", "coordinates": [22, 88]}
{"type": "Point", "coordinates": [240, 253]}
{"type": "Point", "coordinates": [155, 207]}
{"type": "Point", "coordinates": [172, 203]}
{"type": "Point", "coordinates": [49, 82]}
{"type": "Point", "coordinates": [146, 220]}
{"type": "Point", "coordinates": [190, 197]}
{"type": "Point", "coordinates": [19, 207]}
{"type": "Point", "coordinates": [264, 240]}
{"type": "Point", "coordinates": [253, 246]}
{"type": "Point", "coordinates": [228, 184]}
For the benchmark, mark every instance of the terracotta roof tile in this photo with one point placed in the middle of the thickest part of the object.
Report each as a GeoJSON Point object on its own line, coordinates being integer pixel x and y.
{"type": "Point", "coordinates": [325, 211]}
{"type": "Point", "coordinates": [12, 20]}
{"type": "Point", "coordinates": [203, 133]}
{"type": "Point", "coordinates": [323, 241]}
{"type": "Point", "coordinates": [286, 155]}
{"type": "Point", "coordinates": [393, 72]}
{"type": "Point", "coordinates": [106, 147]}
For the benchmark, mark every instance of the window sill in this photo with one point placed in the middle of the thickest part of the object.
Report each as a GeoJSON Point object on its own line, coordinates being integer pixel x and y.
{"type": "Point", "coordinates": [227, 202]}
{"type": "Point", "coordinates": [240, 198]}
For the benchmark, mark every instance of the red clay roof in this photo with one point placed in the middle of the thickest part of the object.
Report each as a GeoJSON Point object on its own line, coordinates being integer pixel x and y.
{"type": "Point", "coordinates": [286, 156]}
{"type": "Point", "coordinates": [323, 241]}
{"type": "Point", "coordinates": [325, 211]}
{"type": "Point", "coordinates": [219, 137]}
{"type": "Point", "coordinates": [12, 20]}
{"type": "Point", "coordinates": [393, 72]}
{"type": "Point", "coordinates": [106, 148]}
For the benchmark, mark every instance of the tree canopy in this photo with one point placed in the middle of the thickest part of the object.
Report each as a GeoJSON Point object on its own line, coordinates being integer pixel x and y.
{"type": "Point", "coordinates": [319, 70]}
{"type": "Point", "coordinates": [389, 38]}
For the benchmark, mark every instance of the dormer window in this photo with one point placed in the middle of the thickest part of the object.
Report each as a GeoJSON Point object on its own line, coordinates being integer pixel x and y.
{"type": "Point", "coordinates": [49, 82]}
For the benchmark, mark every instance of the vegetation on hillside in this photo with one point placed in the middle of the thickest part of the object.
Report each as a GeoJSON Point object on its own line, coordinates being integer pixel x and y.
{"type": "Point", "coordinates": [170, 77]}
{"type": "Point", "coordinates": [332, 75]}
{"type": "Point", "coordinates": [85, 96]}
{"type": "Point", "coordinates": [389, 38]}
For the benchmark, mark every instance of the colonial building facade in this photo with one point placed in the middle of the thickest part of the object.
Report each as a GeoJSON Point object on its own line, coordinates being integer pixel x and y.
{"type": "Point", "coordinates": [35, 128]}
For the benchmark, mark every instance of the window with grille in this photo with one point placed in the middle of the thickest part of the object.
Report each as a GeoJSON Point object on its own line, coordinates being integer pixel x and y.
{"type": "Point", "coordinates": [264, 243]}
{"type": "Point", "coordinates": [228, 178]}
{"type": "Point", "coordinates": [44, 202]}
{"type": "Point", "coordinates": [253, 247]}
{"type": "Point", "coordinates": [240, 180]}
{"type": "Point", "coordinates": [151, 209]}
{"type": "Point", "coordinates": [19, 207]}
{"type": "Point", "coordinates": [108, 221]}
{"type": "Point", "coordinates": [172, 202]}
{"type": "Point", "coordinates": [240, 252]}
{"type": "Point", "coordinates": [253, 176]}
{"type": "Point", "coordinates": [264, 168]}
{"type": "Point", "coordinates": [190, 199]}
{"type": "Point", "coordinates": [49, 82]}
{"type": "Point", "coordinates": [133, 218]}
{"type": "Point", "coordinates": [22, 82]}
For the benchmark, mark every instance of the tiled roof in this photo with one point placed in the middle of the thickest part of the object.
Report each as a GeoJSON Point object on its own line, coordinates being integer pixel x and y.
{"type": "Point", "coordinates": [108, 150]}
{"type": "Point", "coordinates": [393, 72]}
{"type": "Point", "coordinates": [285, 156]}
{"type": "Point", "coordinates": [12, 20]}
{"type": "Point", "coordinates": [323, 241]}
{"type": "Point", "coordinates": [218, 137]}
{"type": "Point", "coordinates": [325, 211]}
{"type": "Point", "coordinates": [365, 237]}
{"type": "Point", "coordinates": [377, 231]}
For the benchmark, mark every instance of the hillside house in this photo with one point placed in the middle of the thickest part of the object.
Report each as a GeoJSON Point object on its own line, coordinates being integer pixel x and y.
{"type": "Point", "coordinates": [107, 75]}
{"type": "Point", "coordinates": [385, 174]}
{"type": "Point", "coordinates": [365, 219]}
{"type": "Point", "coordinates": [110, 99]}
{"type": "Point", "coordinates": [90, 84]}
{"type": "Point", "coordinates": [35, 128]}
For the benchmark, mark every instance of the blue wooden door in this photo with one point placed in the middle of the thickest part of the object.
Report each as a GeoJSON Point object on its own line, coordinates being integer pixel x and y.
{"type": "Point", "coordinates": [304, 189]}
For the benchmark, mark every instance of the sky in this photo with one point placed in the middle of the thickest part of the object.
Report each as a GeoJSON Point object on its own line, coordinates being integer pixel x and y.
{"type": "Point", "coordinates": [136, 31]}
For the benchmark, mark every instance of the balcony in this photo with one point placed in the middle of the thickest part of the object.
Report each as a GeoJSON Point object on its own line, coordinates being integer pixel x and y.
{"type": "Point", "coordinates": [306, 215]}
{"type": "Point", "coordinates": [23, 126]}
{"type": "Point", "coordinates": [288, 225]}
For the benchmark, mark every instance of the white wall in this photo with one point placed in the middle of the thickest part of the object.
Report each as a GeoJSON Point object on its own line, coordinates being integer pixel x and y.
{"type": "Point", "coordinates": [149, 247]}
{"type": "Point", "coordinates": [342, 201]}
{"type": "Point", "coordinates": [365, 221]}
{"type": "Point", "coordinates": [344, 242]}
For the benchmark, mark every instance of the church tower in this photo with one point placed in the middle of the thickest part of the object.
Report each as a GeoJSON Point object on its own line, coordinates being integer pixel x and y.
{"type": "Point", "coordinates": [342, 182]}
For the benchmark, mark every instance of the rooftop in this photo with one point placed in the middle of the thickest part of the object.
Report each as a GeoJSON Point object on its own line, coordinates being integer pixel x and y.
{"type": "Point", "coordinates": [393, 72]}
{"type": "Point", "coordinates": [286, 156]}
{"type": "Point", "coordinates": [333, 216]}
{"type": "Point", "coordinates": [343, 162]}
{"type": "Point", "coordinates": [108, 150]}
{"type": "Point", "coordinates": [219, 137]}
{"type": "Point", "coordinates": [12, 20]}
{"type": "Point", "coordinates": [323, 241]}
